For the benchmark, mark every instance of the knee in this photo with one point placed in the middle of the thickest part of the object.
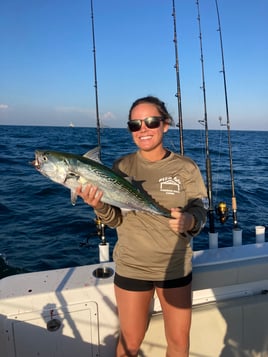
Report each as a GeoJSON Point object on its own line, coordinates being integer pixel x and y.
{"type": "Point", "coordinates": [178, 346]}
{"type": "Point", "coordinates": [128, 347]}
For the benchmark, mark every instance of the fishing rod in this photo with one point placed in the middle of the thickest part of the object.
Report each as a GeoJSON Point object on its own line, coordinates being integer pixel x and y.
{"type": "Point", "coordinates": [205, 122]}
{"type": "Point", "coordinates": [178, 94]}
{"type": "Point", "coordinates": [234, 203]}
{"type": "Point", "coordinates": [95, 81]}
{"type": "Point", "coordinates": [103, 246]}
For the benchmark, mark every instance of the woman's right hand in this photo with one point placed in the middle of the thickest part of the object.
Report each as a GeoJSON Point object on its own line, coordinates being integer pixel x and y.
{"type": "Point", "coordinates": [91, 195]}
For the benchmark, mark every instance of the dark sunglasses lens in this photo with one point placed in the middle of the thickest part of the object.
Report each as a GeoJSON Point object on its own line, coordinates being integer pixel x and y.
{"type": "Point", "coordinates": [134, 125]}
{"type": "Point", "coordinates": [152, 122]}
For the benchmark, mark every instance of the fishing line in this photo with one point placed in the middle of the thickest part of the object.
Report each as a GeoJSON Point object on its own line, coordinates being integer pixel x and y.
{"type": "Point", "coordinates": [218, 161]}
{"type": "Point", "coordinates": [202, 143]}
{"type": "Point", "coordinates": [234, 203]}
{"type": "Point", "coordinates": [205, 123]}
{"type": "Point", "coordinates": [103, 246]}
{"type": "Point", "coordinates": [176, 66]}
{"type": "Point", "coordinates": [218, 166]}
{"type": "Point", "coordinates": [95, 81]}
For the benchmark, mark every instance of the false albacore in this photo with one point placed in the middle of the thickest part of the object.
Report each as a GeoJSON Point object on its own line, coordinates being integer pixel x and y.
{"type": "Point", "coordinates": [72, 170]}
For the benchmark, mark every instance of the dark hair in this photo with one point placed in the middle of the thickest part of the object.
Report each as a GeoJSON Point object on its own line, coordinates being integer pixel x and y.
{"type": "Point", "coordinates": [157, 103]}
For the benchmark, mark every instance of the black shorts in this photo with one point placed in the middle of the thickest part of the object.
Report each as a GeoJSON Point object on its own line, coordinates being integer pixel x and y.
{"type": "Point", "coordinates": [146, 285]}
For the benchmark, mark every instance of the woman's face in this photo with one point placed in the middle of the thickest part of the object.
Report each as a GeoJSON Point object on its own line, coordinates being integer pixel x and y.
{"type": "Point", "coordinates": [148, 139]}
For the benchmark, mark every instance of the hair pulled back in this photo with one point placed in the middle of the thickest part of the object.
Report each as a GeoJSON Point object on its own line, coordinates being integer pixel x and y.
{"type": "Point", "coordinates": [161, 107]}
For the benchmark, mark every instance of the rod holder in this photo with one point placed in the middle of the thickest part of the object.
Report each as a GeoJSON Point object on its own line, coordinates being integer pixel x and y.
{"type": "Point", "coordinates": [260, 234]}
{"type": "Point", "coordinates": [237, 236]}
{"type": "Point", "coordinates": [103, 272]}
{"type": "Point", "coordinates": [213, 240]}
{"type": "Point", "coordinates": [103, 252]}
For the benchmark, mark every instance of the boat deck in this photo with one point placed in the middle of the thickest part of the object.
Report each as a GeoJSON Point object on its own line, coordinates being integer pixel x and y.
{"type": "Point", "coordinates": [232, 328]}
{"type": "Point", "coordinates": [68, 311]}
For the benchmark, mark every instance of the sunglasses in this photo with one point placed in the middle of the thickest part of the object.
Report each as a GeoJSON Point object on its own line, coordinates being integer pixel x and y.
{"type": "Point", "coordinates": [150, 122]}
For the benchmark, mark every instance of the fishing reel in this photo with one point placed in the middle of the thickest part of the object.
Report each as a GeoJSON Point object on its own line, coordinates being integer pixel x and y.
{"type": "Point", "coordinates": [100, 231]}
{"type": "Point", "coordinates": [222, 212]}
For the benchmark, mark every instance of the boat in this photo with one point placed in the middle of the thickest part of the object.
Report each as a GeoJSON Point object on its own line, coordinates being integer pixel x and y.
{"type": "Point", "coordinates": [68, 311]}
{"type": "Point", "coordinates": [71, 125]}
{"type": "Point", "coordinates": [71, 311]}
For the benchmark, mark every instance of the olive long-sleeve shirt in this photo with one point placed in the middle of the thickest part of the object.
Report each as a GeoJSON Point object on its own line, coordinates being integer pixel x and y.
{"type": "Point", "coordinates": [147, 248]}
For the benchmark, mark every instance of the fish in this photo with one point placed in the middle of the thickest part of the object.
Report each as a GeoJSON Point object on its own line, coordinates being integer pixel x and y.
{"type": "Point", "coordinates": [72, 170]}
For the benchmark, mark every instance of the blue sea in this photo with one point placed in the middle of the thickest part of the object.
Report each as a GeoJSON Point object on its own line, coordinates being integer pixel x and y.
{"type": "Point", "coordinates": [41, 230]}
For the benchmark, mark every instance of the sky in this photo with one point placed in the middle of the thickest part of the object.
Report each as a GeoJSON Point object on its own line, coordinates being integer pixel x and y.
{"type": "Point", "coordinates": [47, 62]}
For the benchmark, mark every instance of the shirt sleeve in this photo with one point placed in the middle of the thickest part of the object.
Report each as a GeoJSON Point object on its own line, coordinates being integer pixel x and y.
{"type": "Point", "coordinates": [110, 215]}
{"type": "Point", "coordinates": [196, 200]}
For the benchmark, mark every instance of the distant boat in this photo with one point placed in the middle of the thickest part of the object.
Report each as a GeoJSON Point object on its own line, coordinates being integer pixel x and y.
{"type": "Point", "coordinates": [71, 125]}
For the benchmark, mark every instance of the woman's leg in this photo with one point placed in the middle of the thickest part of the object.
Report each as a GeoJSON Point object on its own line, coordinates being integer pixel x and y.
{"type": "Point", "coordinates": [133, 309]}
{"type": "Point", "coordinates": [177, 310]}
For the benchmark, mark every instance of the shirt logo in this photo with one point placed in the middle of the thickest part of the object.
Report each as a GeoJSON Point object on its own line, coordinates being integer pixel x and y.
{"type": "Point", "coordinates": [170, 185]}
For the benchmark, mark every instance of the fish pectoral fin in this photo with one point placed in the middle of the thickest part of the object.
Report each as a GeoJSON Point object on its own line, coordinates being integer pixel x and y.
{"type": "Point", "coordinates": [73, 197]}
{"type": "Point", "coordinates": [129, 179]}
{"type": "Point", "coordinates": [93, 154]}
{"type": "Point", "coordinates": [125, 211]}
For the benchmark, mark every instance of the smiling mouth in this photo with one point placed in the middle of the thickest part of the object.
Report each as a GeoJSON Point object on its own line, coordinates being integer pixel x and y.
{"type": "Point", "coordinates": [145, 137]}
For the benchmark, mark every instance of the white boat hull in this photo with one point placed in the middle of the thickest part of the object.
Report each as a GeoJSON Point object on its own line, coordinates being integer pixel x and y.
{"type": "Point", "coordinates": [70, 311]}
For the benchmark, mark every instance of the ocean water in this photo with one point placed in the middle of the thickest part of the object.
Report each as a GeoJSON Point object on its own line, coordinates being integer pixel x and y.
{"type": "Point", "coordinates": [41, 230]}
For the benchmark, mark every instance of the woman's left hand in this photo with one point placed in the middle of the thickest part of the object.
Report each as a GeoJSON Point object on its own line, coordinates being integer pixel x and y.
{"type": "Point", "coordinates": [182, 221]}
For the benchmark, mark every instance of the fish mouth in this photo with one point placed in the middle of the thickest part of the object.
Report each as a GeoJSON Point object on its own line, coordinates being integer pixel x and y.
{"type": "Point", "coordinates": [35, 163]}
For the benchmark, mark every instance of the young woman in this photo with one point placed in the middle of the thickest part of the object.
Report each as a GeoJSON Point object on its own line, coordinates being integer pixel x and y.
{"type": "Point", "coordinates": [153, 253]}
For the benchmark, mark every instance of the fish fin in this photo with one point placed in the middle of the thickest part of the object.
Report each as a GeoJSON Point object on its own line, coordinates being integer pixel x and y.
{"type": "Point", "coordinates": [73, 197]}
{"type": "Point", "coordinates": [93, 154]}
{"type": "Point", "coordinates": [129, 179]}
{"type": "Point", "coordinates": [125, 211]}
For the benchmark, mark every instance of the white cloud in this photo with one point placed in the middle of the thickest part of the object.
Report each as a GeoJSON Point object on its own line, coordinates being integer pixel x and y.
{"type": "Point", "coordinates": [3, 106]}
{"type": "Point", "coordinates": [108, 115]}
